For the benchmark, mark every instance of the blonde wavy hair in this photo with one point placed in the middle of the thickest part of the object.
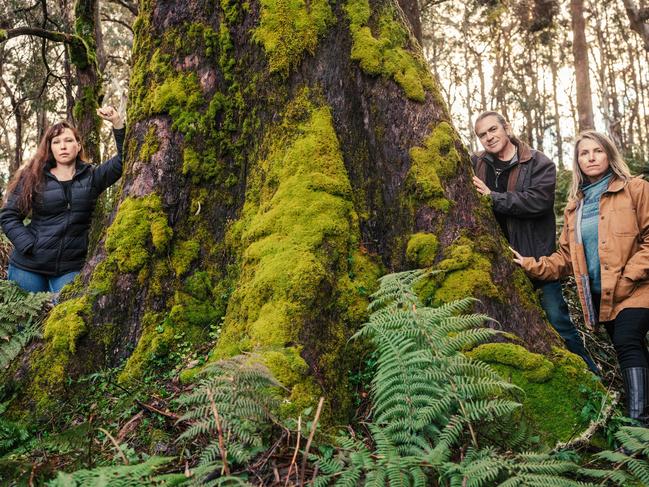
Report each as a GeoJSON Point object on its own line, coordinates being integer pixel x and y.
{"type": "Point", "coordinates": [615, 161]}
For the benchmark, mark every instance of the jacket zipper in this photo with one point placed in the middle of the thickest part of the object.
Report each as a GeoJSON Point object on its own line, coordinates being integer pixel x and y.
{"type": "Point", "coordinates": [67, 224]}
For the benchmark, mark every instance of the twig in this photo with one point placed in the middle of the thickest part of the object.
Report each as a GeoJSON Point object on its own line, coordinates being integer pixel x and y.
{"type": "Point", "coordinates": [128, 427]}
{"type": "Point", "coordinates": [153, 409]}
{"type": "Point", "coordinates": [219, 430]}
{"type": "Point", "coordinates": [308, 443]}
{"type": "Point", "coordinates": [297, 449]}
{"type": "Point", "coordinates": [114, 441]}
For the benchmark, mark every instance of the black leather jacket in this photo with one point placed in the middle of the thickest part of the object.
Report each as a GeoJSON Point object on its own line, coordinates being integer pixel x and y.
{"type": "Point", "coordinates": [55, 242]}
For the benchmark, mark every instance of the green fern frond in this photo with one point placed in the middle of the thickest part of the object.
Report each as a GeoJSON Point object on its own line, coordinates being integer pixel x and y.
{"type": "Point", "coordinates": [21, 315]}
{"type": "Point", "coordinates": [117, 476]}
{"type": "Point", "coordinates": [237, 391]}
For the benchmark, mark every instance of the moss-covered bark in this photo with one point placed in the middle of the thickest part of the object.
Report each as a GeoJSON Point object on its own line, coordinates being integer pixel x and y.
{"type": "Point", "coordinates": [274, 169]}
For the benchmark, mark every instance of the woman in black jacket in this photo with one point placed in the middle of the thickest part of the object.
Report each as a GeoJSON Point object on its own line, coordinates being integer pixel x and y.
{"type": "Point", "coordinates": [58, 189]}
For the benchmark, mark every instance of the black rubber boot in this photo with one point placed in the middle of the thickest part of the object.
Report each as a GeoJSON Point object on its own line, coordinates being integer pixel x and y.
{"type": "Point", "coordinates": [636, 386]}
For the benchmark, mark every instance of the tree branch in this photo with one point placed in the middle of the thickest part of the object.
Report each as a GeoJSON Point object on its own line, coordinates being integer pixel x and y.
{"type": "Point", "coordinates": [130, 6]}
{"type": "Point", "coordinates": [51, 35]}
{"type": "Point", "coordinates": [106, 18]}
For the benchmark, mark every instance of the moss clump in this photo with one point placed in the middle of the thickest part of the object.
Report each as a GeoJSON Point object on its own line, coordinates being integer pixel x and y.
{"type": "Point", "coordinates": [387, 54]}
{"type": "Point", "coordinates": [183, 255]}
{"type": "Point", "coordinates": [430, 164]}
{"type": "Point", "coordinates": [422, 249]}
{"type": "Point", "coordinates": [150, 145]}
{"type": "Point", "coordinates": [3, 35]}
{"type": "Point", "coordinates": [139, 223]}
{"type": "Point", "coordinates": [466, 272]}
{"type": "Point", "coordinates": [287, 28]}
{"type": "Point", "coordinates": [192, 314]}
{"type": "Point", "coordinates": [299, 233]}
{"type": "Point", "coordinates": [180, 96]}
{"type": "Point", "coordinates": [61, 331]}
{"type": "Point", "coordinates": [556, 387]}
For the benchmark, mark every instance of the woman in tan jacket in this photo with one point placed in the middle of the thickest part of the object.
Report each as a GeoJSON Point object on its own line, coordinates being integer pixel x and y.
{"type": "Point", "coordinates": [605, 243]}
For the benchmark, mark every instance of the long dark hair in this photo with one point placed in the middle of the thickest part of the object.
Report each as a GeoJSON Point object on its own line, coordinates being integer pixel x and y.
{"type": "Point", "coordinates": [29, 178]}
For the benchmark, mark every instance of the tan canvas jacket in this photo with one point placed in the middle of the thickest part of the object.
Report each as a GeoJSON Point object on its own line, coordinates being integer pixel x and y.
{"type": "Point", "coordinates": [623, 251]}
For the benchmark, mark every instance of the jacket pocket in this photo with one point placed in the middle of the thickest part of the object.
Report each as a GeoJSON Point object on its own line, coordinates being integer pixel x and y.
{"type": "Point", "coordinates": [624, 222]}
{"type": "Point", "coordinates": [623, 289]}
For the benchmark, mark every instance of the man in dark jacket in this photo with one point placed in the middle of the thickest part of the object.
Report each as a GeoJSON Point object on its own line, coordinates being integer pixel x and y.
{"type": "Point", "coordinates": [520, 182]}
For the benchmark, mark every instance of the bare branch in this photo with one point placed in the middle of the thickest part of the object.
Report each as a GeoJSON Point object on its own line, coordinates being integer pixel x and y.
{"type": "Point", "coordinates": [130, 6]}
{"type": "Point", "coordinates": [51, 35]}
{"type": "Point", "coordinates": [106, 18]}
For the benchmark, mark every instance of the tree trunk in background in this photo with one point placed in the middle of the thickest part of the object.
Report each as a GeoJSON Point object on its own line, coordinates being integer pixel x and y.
{"type": "Point", "coordinates": [89, 82]}
{"type": "Point", "coordinates": [582, 76]}
{"type": "Point", "coordinates": [411, 10]}
{"type": "Point", "coordinates": [556, 117]}
{"type": "Point", "coordinates": [273, 171]}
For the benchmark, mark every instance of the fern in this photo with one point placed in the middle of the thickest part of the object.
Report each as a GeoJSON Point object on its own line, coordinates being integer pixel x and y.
{"type": "Point", "coordinates": [142, 474]}
{"type": "Point", "coordinates": [633, 456]}
{"type": "Point", "coordinates": [230, 408]}
{"type": "Point", "coordinates": [425, 393]}
{"type": "Point", "coordinates": [21, 314]}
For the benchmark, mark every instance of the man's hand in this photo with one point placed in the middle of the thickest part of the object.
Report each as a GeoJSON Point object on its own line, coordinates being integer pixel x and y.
{"type": "Point", "coordinates": [481, 186]}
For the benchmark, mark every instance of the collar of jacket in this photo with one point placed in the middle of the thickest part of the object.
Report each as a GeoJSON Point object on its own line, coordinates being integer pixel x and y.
{"type": "Point", "coordinates": [614, 186]}
{"type": "Point", "coordinates": [523, 151]}
{"type": "Point", "coordinates": [80, 167]}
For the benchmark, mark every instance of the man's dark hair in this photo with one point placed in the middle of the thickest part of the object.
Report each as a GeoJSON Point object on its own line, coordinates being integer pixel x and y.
{"type": "Point", "coordinates": [501, 120]}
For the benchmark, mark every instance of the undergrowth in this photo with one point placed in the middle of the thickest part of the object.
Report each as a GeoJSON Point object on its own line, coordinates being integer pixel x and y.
{"type": "Point", "coordinates": [434, 419]}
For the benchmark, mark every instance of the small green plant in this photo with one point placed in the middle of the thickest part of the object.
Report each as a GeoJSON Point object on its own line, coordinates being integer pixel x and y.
{"type": "Point", "coordinates": [21, 315]}
{"type": "Point", "coordinates": [142, 474]}
{"type": "Point", "coordinates": [230, 409]}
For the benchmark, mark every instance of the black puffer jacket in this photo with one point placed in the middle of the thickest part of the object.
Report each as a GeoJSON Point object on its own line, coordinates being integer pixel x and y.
{"type": "Point", "coordinates": [56, 240]}
{"type": "Point", "coordinates": [528, 203]}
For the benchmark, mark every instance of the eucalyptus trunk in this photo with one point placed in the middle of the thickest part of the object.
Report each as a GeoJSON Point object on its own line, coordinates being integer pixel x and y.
{"type": "Point", "coordinates": [280, 157]}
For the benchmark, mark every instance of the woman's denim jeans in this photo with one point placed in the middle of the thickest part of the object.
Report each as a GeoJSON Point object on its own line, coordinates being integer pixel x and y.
{"type": "Point", "coordinates": [37, 283]}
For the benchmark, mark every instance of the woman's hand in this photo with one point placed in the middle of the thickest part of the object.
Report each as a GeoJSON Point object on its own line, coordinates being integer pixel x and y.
{"type": "Point", "coordinates": [109, 113]}
{"type": "Point", "coordinates": [518, 258]}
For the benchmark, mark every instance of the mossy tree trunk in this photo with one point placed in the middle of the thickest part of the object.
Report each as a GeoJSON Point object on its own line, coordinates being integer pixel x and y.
{"type": "Point", "coordinates": [85, 57]}
{"type": "Point", "coordinates": [280, 156]}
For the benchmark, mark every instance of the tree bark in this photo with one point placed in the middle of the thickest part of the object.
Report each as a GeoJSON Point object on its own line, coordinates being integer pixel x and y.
{"type": "Point", "coordinates": [268, 190]}
{"type": "Point", "coordinates": [582, 76]}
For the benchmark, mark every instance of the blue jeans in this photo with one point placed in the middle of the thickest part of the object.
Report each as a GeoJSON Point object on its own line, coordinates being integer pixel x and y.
{"type": "Point", "coordinates": [556, 309]}
{"type": "Point", "coordinates": [35, 282]}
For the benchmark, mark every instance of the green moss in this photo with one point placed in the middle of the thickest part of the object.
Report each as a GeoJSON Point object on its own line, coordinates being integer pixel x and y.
{"type": "Point", "coordinates": [139, 223]}
{"type": "Point", "coordinates": [3, 35]}
{"type": "Point", "coordinates": [556, 387]}
{"type": "Point", "coordinates": [188, 322]}
{"type": "Point", "coordinates": [431, 164]}
{"type": "Point", "coordinates": [180, 96]}
{"type": "Point", "coordinates": [183, 255]}
{"type": "Point", "coordinates": [466, 272]}
{"type": "Point", "coordinates": [87, 103]}
{"type": "Point", "coordinates": [387, 54]}
{"type": "Point", "coordinates": [299, 236]}
{"type": "Point", "coordinates": [150, 145]}
{"type": "Point", "coordinates": [288, 28]}
{"type": "Point", "coordinates": [61, 332]}
{"type": "Point", "coordinates": [422, 249]}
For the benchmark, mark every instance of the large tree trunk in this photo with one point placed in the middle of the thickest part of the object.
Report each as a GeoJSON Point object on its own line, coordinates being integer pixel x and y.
{"type": "Point", "coordinates": [582, 76]}
{"type": "Point", "coordinates": [274, 168]}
